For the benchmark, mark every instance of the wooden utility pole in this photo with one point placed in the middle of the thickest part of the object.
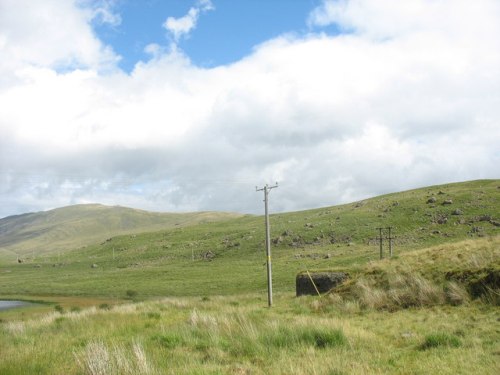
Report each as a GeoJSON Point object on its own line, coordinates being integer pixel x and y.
{"type": "Point", "coordinates": [390, 241]}
{"type": "Point", "coordinates": [266, 190]}
{"type": "Point", "coordinates": [381, 242]}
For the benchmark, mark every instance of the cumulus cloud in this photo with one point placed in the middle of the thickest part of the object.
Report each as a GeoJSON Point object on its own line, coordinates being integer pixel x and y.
{"type": "Point", "coordinates": [334, 119]}
{"type": "Point", "coordinates": [182, 26]}
{"type": "Point", "coordinates": [49, 33]}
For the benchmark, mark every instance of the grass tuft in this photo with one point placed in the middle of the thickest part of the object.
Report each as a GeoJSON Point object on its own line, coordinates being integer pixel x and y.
{"type": "Point", "coordinates": [440, 339]}
{"type": "Point", "coordinates": [169, 340]}
{"type": "Point", "coordinates": [95, 360]}
{"type": "Point", "coordinates": [323, 338]}
{"type": "Point", "coordinates": [456, 294]}
{"type": "Point", "coordinates": [98, 359]}
{"type": "Point", "coordinates": [286, 338]}
{"type": "Point", "coordinates": [130, 293]}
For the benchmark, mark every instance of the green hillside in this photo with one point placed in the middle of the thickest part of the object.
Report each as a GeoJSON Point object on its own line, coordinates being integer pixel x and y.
{"type": "Point", "coordinates": [72, 227]}
{"type": "Point", "coordinates": [192, 299]}
{"type": "Point", "coordinates": [227, 257]}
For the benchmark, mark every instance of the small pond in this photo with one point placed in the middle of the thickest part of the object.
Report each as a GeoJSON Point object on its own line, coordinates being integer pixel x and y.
{"type": "Point", "coordinates": [5, 305]}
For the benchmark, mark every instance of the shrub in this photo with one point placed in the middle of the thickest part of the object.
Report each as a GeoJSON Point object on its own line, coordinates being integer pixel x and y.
{"type": "Point", "coordinates": [59, 309]}
{"type": "Point", "coordinates": [104, 306]}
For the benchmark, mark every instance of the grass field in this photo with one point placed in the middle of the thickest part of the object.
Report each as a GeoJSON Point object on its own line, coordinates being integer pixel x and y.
{"type": "Point", "coordinates": [193, 299]}
{"type": "Point", "coordinates": [237, 335]}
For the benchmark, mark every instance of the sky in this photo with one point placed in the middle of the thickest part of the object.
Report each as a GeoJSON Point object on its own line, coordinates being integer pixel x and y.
{"type": "Point", "coordinates": [189, 105]}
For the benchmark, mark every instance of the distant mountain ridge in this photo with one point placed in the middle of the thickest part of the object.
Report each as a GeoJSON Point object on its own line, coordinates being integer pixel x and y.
{"type": "Point", "coordinates": [79, 225]}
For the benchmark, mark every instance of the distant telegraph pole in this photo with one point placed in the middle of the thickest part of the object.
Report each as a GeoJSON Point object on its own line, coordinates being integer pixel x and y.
{"type": "Point", "coordinates": [381, 240]}
{"type": "Point", "coordinates": [266, 190]}
{"type": "Point", "coordinates": [390, 241]}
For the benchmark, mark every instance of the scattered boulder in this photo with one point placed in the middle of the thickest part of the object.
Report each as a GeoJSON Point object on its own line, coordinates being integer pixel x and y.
{"type": "Point", "coordinates": [297, 241]}
{"type": "Point", "coordinates": [476, 230]}
{"type": "Point", "coordinates": [94, 265]}
{"type": "Point", "coordinates": [208, 255]}
{"type": "Point", "coordinates": [447, 202]}
{"type": "Point", "coordinates": [277, 240]}
{"type": "Point", "coordinates": [431, 200]}
{"type": "Point", "coordinates": [484, 218]}
{"type": "Point", "coordinates": [457, 212]}
{"type": "Point", "coordinates": [324, 281]}
{"type": "Point", "coordinates": [442, 220]}
{"type": "Point", "coordinates": [311, 256]}
{"type": "Point", "coordinates": [309, 225]}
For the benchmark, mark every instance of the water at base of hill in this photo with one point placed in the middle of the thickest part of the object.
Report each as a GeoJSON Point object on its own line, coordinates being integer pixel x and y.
{"type": "Point", "coordinates": [5, 305]}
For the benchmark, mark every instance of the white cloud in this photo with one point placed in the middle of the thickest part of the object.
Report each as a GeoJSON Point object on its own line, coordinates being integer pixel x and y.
{"type": "Point", "coordinates": [394, 18]}
{"type": "Point", "coordinates": [103, 12]}
{"type": "Point", "coordinates": [332, 118]}
{"type": "Point", "coordinates": [49, 33]}
{"type": "Point", "coordinates": [182, 26]}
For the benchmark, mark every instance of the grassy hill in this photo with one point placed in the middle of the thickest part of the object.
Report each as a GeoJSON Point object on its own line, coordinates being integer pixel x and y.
{"type": "Point", "coordinates": [197, 295]}
{"type": "Point", "coordinates": [76, 226]}
{"type": "Point", "coordinates": [227, 257]}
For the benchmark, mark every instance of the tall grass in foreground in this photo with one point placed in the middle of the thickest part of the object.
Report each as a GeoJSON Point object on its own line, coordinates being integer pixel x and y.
{"type": "Point", "coordinates": [238, 335]}
{"type": "Point", "coordinates": [98, 359]}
